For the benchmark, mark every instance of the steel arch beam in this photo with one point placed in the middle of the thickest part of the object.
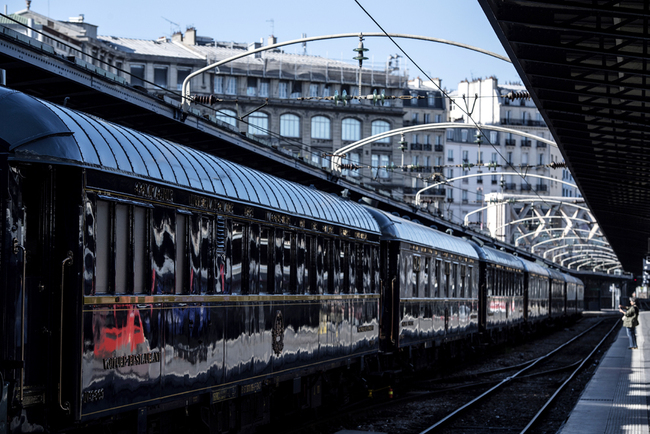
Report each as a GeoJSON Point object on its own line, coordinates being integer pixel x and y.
{"type": "Point", "coordinates": [186, 82]}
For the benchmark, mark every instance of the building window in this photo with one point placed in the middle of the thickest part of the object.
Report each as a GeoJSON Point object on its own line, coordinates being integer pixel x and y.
{"type": "Point", "coordinates": [464, 196]}
{"type": "Point", "coordinates": [438, 118]}
{"type": "Point", "coordinates": [227, 117]}
{"type": "Point", "coordinates": [493, 158]}
{"type": "Point", "coordinates": [415, 139]}
{"type": "Point", "coordinates": [313, 90]}
{"type": "Point", "coordinates": [541, 159]}
{"type": "Point", "coordinates": [231, 86]}
{"type": "Point", "coordinates": [479, 157]}
{"type": "Point", "coordinates": [379, 162]}
{"type": "Point", "coordinates": [289, 125]}
{"type": "Point", "coordinates": [524, 158]}
{"type": "Point", "coordinates": [463, 135]}
{"type": "Point", "coordinates": [431, 99]}
{"type": "Point", "coordinates": [450, 155]}
{"type": "Point", "coordinates": [494, 137]}
{"type": "Point", "coordinates": [258, 124]}
{"type": "Point", "coordinates": [283, 89]}
{"type": "Point", "coordinates": [326, 90]}
{"type": "Point", "coordinates": [181, 75]}
{"type": "Point", "coordinates": [160, 76]}
{"type": "Point", "coordinates": [264, 87]}
{"type": "Point", "coordinates": [353, 159]}
{"type": "Point", "coordinates": [218, 84]}
{"type": "Point", "coordinates": [450, 134]}
{"type": "Point", "coordinates": [320, 128]}
{"type": "Point", "coordinates": [427, 139]}
{"type": "Point", "coordinates": [438, 140]}
{"type": "Point", "coordinates": [465, 156]}
{"type": "Point", "coordinates": [379, 127]}
{"type": "Point", "coordinates": [351, 130]}
{"type": "Point", "coordinates": [415, 118]}
{"type": "Point", "coordinates": [137, 75]}
{"type": "Point", "coordinates": [509, 157]}
{"type": "Point", "coordinates": [414, 98]}
{"type": "Point", "coordinates": [427, 118]}
{"type": "Point", "coordinates": [251, 88]}
{"type": "Point", "coordinates": [296, 89]}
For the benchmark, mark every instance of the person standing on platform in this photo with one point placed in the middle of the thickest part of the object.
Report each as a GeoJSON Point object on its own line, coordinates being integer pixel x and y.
{"type": "Point", "coordinates": [630, 321]}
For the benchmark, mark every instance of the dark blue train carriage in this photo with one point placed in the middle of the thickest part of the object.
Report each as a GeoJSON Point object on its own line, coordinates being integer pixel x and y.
{"type": "Point", "coordinates": [536, 294]}
{"type": "Point", "coordinates": [557, 294]}
{"type": "Point", "coordinates": [430, 292]}
{"type": "Point", "coordinates": [501, 301]}
{"type": "Point", "coordinates": [141, 276]}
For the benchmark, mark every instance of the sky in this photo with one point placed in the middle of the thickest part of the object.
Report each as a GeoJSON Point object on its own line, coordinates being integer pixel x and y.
{"type": "Point", "coordinates": [248, 21]}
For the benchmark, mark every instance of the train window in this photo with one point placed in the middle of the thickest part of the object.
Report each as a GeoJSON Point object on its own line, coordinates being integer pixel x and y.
{"type": "Point", "coordinates": [309, 286]}
{"type": "Point", "coordinates": [376, 265]}
{"type": "Point", "coordinates": [445, 280]}
{"type": "Point", "coordinates": [321, 272]}
{"type": "Point", "coordinates": [462, 284]}
{"type": "Point", "coordinates": [121, 243]}
{"type": "Point", "coordinates": [140, 253]}
{"type": "Point", "coordinates": [472, 289]}
{"type": "Point", "coordinates": [415, 276]}
{"type": "Point", "coordinates": [437, 277]}
{"type": "Point", "coordinates": [219, 266]}
{"type": "Point", "coordinates": [275, 265]}
{"type": "Point", "coordinates": [300, 264]}
{"type": "Point", "coordinates": [426, 288]}
{"type": "Point", "coordinates": [454, 281]}
{"type": "Point", "coordinates": [253, 260]}
{"type": "Point", "coordinates": [288, 264]}
{"type": "Point", "coordinates": [181, 246]}
{"type": "Point", "coordinates": [163, 250]}
{"type": "Point", "coordinates": [200, 249]}
{"type": "Point", "coordinates": [103, 247]}
{"type": "Point", "coordinates": [351, 284]}
{"type": "Point", "coordinates": [366, 272]}
{"type": "Point", "coordinates": [237, 255]}
{"type": "Point", "coordinates": [339, 265]}
{"type": "Point", "coordinates": [265, 251]}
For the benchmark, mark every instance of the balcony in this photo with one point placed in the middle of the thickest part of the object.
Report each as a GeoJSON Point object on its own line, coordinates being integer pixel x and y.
{"type": "Point", "coordinates": [527, 123]}
{"type": "Point", "coordinates": [541, 144]}
{"type": "Point", "coordinates": [427, 147]}
{"type": "Point", "coordinates": [438, 148]}
{"type": "Point", "coordinates": [429, 192]}
{"type": "Point", "coordinates": [416, 146]}
{"type": "Point", "coordinates": [541, 187]}
{"type": "Point", "coordinates": [526, 143]}
{"type": "Point", "coordinates": [511, 142]}
{"type": "Point", "coordinates": [526, 187]}
{"type": "Point", "coordinates": [510, 186]}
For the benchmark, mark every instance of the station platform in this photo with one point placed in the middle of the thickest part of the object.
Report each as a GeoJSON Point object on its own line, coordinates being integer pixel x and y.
{"type": "Point", "coordinates": [616, 399]}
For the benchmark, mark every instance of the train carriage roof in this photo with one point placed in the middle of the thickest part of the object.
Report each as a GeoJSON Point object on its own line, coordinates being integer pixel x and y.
{"type": "Point", "coordinates": [556, 274]}
{"type": "Point", "coordinates": [495, 256]}
{"type": "Point", "coordinates": [572, 279]}
{"type": "Point", "coordinates": [399, 229]}
{"type": "Point", "coordinates": [533, 267]}
{"type": "Point", "coordinates": [37, 130]}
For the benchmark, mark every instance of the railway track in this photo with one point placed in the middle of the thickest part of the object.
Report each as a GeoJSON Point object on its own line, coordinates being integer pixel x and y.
{"type": "Point", "coordinates": [514, 391]}
{"type": "Point", "coordinates": [528, 391]}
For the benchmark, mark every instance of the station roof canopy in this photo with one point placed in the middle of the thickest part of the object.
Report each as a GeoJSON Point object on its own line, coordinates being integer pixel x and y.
{"type": "Point", "coordinates": [586, 64]}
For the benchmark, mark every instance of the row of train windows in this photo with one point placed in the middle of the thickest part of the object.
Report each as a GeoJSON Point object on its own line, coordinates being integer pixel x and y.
{"type": "Point", "coordinates": [502, 282]}
{"type": "Point", "coordinates": [435, 277]}
{"type": "Point", "coordinates": [537, 287]}
{"type": "Point", "coordinates": [157, 250]}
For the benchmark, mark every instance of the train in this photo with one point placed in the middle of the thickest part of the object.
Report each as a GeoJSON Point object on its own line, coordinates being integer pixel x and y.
{"type": "Point", "coordinates": [145, 281]}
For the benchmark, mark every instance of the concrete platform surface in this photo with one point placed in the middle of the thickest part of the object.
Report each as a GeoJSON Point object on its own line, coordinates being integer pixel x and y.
{"type": "Point", "coordinates": [616, 399]}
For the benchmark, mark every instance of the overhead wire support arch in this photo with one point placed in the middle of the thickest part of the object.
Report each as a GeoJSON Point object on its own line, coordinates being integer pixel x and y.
{"type": "Point", "coordinates": [187, 99]}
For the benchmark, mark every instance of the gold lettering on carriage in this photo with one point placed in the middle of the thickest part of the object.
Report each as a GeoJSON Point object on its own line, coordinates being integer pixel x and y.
{"type": "Point", "coordinates": [131, 360]}
{"type": "Point", "coordinates": [211, 204]}
{"type": "Point", "coordinates": [278, 218]}
{"type": "Point", "coordinates": [155, 192]}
